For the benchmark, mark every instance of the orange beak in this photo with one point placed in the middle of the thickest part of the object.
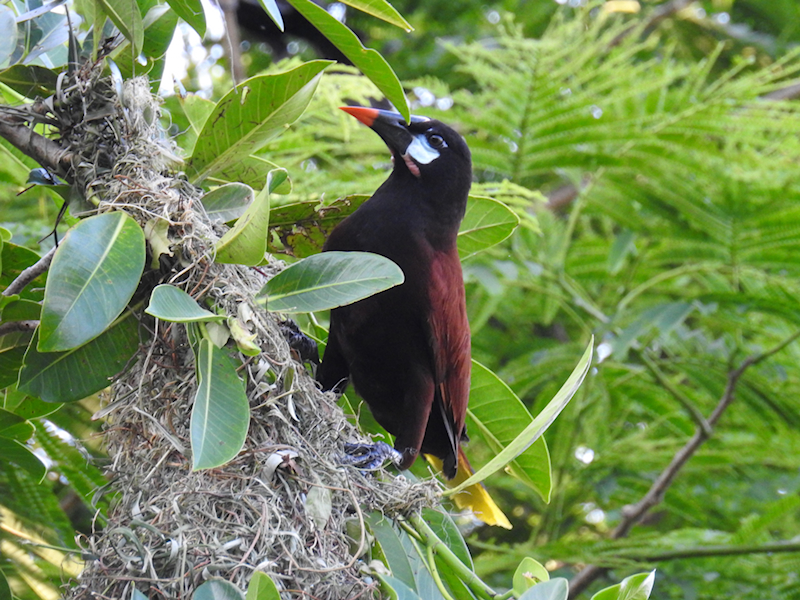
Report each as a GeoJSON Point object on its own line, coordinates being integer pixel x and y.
{"type": "Point", "coordinates": [366, 115]}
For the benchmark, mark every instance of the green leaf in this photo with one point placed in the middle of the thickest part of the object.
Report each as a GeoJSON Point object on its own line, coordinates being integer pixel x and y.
{"type": "Point", "coordinates": [261, 587]}
{"type": "Point", "coordinates": [446, 530]}
{"type": "Point", "coordinates": [271, 8]}
{"type": "Point", "coordinates": [249, 116]}
{"type": "Point", "coordinates": [217, 589]}
{"type": "Point", "coordinates": [328, 280]}
{"type": "Point", "coordinates": [15, 259]}
{"type": "Point", "coordinates": [221, 412]}
{"type": "Point", "coordinates": [125, 14]}
{"type": "Point", "coordinates": [5, 590]}
{"type": "Point", "coordinates": [159, 27]}
{"type": "Point", "coordinates": [227, 202]}
{"type": "Point", "coordinates": [303, 227]}
{"type": "Point", "coordinates": [381, 9]}
{"type": "Point", "coordinates": [246, 242]}
{"type": "Point", "coordinates": [369, 61]}
{"type": "Point", "coordinates": [94, 274]}
{"type": "Point", "coordinates": [555, 589]}
{"type": "Point", "coordinates": [14, 427]}
{"type": "Point", "coordinates": [392, 548]}
{"type": "Point", "coordinates": [77, 373]}
{"type": "Point", "coordinates": [486, 223]}
{"type": "Point", "coordinates": [499, 416]}
{"type": "Point", "coordinates": [8, 34]}
{"type": "Point", "coordinates": [397, 589]}
{"type": "Point", "coordinates": [172, 304]}
{"type": "Point", "coordinates": [15, 453]}
{"type": "Point", "coordinates": [529, 573]}
{"type": "Point", "coordinates": [190, 11]}
{"type": "Point", "coordinates": [537, 427]}
{"type": "Point", "coordinates": [635, 587]}
{"type": "Point", "coordinates": [29, 80]}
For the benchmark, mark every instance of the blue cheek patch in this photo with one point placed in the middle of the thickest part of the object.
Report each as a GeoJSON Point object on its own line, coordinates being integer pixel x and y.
{"type": "Point", "coordinates": [421, 151]}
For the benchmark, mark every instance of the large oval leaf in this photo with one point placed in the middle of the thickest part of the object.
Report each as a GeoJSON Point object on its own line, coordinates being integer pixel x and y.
{"type": "Point", "coordinates": [125, 14]}
{"type": "Point", "coordinates": [369, 61]}
{"type": "Point", "coordinates": [246, 242]}
{"type": "Point", "coordinates": [250, 115]}
{"type": "Point", "coordinates": [555, 589]}
{"type": "Point", "coordinates": [487, 222]}
{"type": "Point", "coordinates": [498, 416]}
{"type": "Point", "coordinates": [330, 279]}
{"type": "Point", "coordinates": [172, 304]}
{"type": "Point", "coordinates": [537, 427]}
{"type": "Point", "coordinates": [75, 374]}
{"type": "Point", "coordinates": [381, 9]}
{"type": "Point", "coordinates": [217, 589]}
{"type": "Point", "coordinates": [221, 412]}
{"type": "Point", "coordinates": [94, 273]}
{"type": "Point", "coordinates": [635, 587]}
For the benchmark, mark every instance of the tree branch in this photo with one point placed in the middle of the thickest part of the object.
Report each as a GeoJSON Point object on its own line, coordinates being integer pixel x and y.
{"type": "Point", "coordinates": [43, 150]}
{"type": "Point", "coordinates": [17, 327]}
{"type": "Point", "coordinates": [633, 514]}
{"type": "Point", "coordinates": [29, 274]}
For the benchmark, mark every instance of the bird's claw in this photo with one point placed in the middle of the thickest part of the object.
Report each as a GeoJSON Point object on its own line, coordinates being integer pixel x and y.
{"type": "Point", "coordinates": [305, 348]}
{"type": "Point", "coordinates": [370, 456]}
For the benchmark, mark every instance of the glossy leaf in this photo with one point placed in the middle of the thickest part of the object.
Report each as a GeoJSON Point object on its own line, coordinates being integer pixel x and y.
{"type": "Point", "coordinates": [369, 61]}
{"type": "Point", "coordinates": [446, 530]}
{"type": "Point", "coordinates": [486, 223]}
{"type": "Point", "coordinates": [14, 427]}
{"type": "Point", "coordinates": [261, 587]}
{"type": "Point", "coordinates": [529, 573]}
{"type": "Point", "coordinates": [221, 412]}
{"type": "Point", "coordinates": [125, 14]}
{"type": "Point", "coordinates": [397, 589]}
{"type": "Point", "coordinates": [330, 279]}
{"type": "Point", "coordinates": [15, 259]}
{"type": "Point", "coordinates": [303, 227]}
{"type": "Point", "coordinates": [77, 373]}
{"type": "Point", "coordinates": [217, 589]}
{"type": "Point", "coordinates": [537, 427]}
{"type": "Point", "coordinates": [246, 242]}
{"type": "Point", "coordinates": [192, 12]}
{"type": "Point", "coordinates": [94, 274]}
{"type": "Point", "coordinates": [172, 304]}
{"type": "Point", "coordinates": [555, 589]}
{"type": "Point", "coordinates": [8, 34]}
{"type": "Point", "coordinates": [15, 453]}
{"type": "Point", "coordinates": [381, 9]}
{"type": "Point", "coordinates": [635, 587]}
{"type": "Point", "coordinates": [497, 415]}
{"type": "Point", "coordinates": [271, 8]}
{"type": "Point", "coordinates": [392, 548]}
{"type": "Point", "coordinates": [249, 116]}
{"type": "Point", "coordinates": [29, 80]}
{"type": "Point", "coordinates": [227, 202]}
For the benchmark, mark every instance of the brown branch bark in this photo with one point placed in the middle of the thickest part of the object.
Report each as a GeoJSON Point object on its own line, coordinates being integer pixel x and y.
{"type": "Point", "coordinates": [43, 150]}
{"type": "Point", "coordinates": [633, 514]}
{"type": "Point", "coordinates": [29, 274]}
{"type": "Point", "coordinates": [18, 327]}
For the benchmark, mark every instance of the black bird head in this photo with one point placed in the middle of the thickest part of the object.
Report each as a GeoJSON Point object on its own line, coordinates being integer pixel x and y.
{"type": "Point", "coordinates": [425, 148]}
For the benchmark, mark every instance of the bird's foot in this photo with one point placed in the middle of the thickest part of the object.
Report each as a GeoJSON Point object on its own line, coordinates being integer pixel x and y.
{"type": "Point", "coordinates": [370, 456]}
{"type": "Point", "coordinates": [303, 346]}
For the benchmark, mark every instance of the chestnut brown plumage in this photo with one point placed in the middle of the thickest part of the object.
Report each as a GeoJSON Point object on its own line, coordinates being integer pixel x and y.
{"type": "Point", "coordinates": [407, 350]}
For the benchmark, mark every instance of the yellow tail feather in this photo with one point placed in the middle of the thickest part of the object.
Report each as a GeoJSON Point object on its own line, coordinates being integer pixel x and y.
{"type": "Point", "coordinates": [475, 497]}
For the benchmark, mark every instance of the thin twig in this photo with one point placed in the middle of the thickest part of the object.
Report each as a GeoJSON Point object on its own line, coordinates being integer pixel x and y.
{"type": "Point", "coordinates": [30, 273]}
{"type": "Point", "coordinates": [18, 327]}
{"type": "Point", "coordinates": [633, 514]}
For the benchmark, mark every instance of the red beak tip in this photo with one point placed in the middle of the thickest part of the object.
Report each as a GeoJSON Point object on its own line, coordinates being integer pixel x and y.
{"type": "Point", "coordinates": [366, 115]}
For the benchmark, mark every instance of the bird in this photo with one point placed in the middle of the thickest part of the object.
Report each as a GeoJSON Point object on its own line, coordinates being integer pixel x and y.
{"type": "Point", "coordinates": [406, 350]}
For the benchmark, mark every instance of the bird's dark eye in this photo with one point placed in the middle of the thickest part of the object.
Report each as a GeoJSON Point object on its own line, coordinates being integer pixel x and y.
{"type": "Point", "coordinates": [436, 140]}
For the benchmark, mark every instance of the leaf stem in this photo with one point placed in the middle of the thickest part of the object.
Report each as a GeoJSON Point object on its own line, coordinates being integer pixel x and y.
{"type": "Point", "coordinates": [461, 570]}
